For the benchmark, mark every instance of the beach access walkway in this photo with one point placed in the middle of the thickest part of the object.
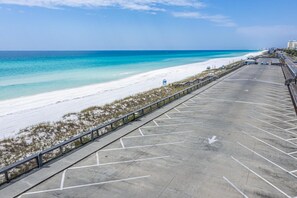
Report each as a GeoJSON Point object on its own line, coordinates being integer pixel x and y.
{"type": "Point", "coordinates": [236, 137]}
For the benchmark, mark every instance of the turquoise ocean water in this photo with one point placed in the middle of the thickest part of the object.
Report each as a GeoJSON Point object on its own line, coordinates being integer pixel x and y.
{"type": "Point", "coordinates": [24, 73]}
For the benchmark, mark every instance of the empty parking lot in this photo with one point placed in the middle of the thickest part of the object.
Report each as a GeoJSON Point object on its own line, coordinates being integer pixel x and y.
{"type": "Point", "coordinates": [235, 139]}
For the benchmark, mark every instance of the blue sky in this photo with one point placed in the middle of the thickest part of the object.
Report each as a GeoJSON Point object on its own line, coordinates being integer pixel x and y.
{"type": "Point", "coordinates": [146, 24]}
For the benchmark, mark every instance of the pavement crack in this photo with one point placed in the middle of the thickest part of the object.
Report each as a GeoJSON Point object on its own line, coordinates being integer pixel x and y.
{"type": "Point", "coordinates": [166, 187]}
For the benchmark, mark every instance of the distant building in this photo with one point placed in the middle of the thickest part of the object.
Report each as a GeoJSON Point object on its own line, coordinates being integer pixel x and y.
{"type": "Point", "coordinates": [292, 44]}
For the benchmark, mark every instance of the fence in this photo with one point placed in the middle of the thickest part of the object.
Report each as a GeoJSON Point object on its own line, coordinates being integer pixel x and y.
{"type": "Point", "coordinates": [290, 73]}
{"type": "Point", "coordinates": [37, 160]}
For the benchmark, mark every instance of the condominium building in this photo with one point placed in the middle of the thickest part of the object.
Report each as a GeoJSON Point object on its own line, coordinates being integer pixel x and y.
{"type": "Point", "coordinates": [292, 44]}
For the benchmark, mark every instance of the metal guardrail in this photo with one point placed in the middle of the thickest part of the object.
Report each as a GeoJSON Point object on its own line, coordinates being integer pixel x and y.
{"type": "Point", "coordinates": [290, 72]}
{"type": "Point", "coordinates": [292, 67]}
{"type": "Point", "coordinates": [290, 64]}
{"type": "Point", "coordinates": [37, 160]}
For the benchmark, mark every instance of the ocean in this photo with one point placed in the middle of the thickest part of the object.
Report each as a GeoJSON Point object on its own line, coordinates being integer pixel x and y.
{"type": "Point", "coordinates": [26, 73]}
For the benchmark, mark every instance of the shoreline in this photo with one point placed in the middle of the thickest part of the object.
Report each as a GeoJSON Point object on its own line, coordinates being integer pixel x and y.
{"type": "Point", "coordinates": [18, 113]}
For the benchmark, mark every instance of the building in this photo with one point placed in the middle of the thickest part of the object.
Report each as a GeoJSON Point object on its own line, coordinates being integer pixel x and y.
{"type": "Point", "coordinates": [292, 44]}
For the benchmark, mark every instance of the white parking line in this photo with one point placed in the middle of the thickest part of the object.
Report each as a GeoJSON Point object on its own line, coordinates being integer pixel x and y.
{"type": "Point", "coordinates": [272, 111]}
{"type": "Point", "coordinates": [186, 111]}
{"type": "Point", "coordinates": [86, 185]}
{"type": "Point", "coordinates": [167, 116]}
{"type": "Point", "coordinates": [272, 124]}
{"type": "Point", "coordinates": [272, 134]}
{"type": "Point", "coordinates": [292, 153]}
{"type": "Point", "coordinates": [143, 146]}
{"type": "Point", "coordinates": [238, 101]}
{"type": "Point", "coordinates": [291, 139]}
{"type": "Point", "coordinates": [273, 106]}
{"type": "Point", "coordinates": [62, 180]}
{"type": "Point", "coordinates": [260, 177]}
{"type": "Point", "coordinates": [122, 143]}
{"type": "Point", "coordinates": [97, 158]}
{"type": "Point", "coordinates": [160, 134]}
{"type": "Point", "coordinates": [266, 159]}
{"type": "Point", "coordinates": [174, 118]}
{"type": "Point", "coordinates": [263, 81]}
{"type": "Point", "coordinates": [291, 128]}
{"type": "Point", "coordinates": [291, 120]}
{"type": "Point", "coordinates": [119, 162]}
{"type": "Point", "coordinates": [267, 132]}
{"type": "Point", "coordinates": [41, 191]}
{"type": "Point", "coordinates": [276, 119]}
{"type": "Point", "coordinates": [264, 142]}
{"type": "Point", "coordinates": [185, 105]}
{"type": "Point", "coordinates": [168, 125]}
{"type": "Point", "coordinates": [269, 145]}
{"type": "Point", "coordinates": [286, 114]}
{"type": "Point", "coordinates": [141, 133]}
{"type": "Point", "coordinates": [182, 111]}
{"type": "Point", "coordinates": [196, 106]}
{"type": "Point", "coordinates": [287, 107]}
{"type": "Point", "coordinates": [108, 182]}
{"type": "Point", "coordinates": [177, 110]}
{"type": "Point", "coordinates": [192, 100]}
{"type": "Point", "coordinates": [237, 189]}
{"type": "Point", "coordinates": [155, 123]}
{"type": "Point", "coordinates": [286, 130]}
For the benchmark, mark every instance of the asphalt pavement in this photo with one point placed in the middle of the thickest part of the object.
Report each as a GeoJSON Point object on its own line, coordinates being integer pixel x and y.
{"type": "Point", "coordinates": [237, 138]}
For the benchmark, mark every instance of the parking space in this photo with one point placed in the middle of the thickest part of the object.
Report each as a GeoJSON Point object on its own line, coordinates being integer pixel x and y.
{"type": "Point", "coordinates": [236, 139]}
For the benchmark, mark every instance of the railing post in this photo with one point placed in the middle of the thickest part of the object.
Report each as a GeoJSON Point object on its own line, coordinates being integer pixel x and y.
{"type": "Point", "coordinates": [39, 160]}
{"type": "Point", "coordinates": [92, 136]}
{"type": "Point", "coordinates": [7, 177]}
{"type": "Point", "coordinates": [61, 150]}
{"type": "Point", "coordinates": [80, 139]}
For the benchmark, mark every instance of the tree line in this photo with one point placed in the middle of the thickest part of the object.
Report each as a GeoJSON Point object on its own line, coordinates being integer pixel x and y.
{"type": "Point", "coordinates": [292, 52]}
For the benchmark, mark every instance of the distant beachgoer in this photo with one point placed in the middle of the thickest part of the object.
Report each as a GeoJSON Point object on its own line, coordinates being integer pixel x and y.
{"type": "Point", "coordinates": [164, 82]}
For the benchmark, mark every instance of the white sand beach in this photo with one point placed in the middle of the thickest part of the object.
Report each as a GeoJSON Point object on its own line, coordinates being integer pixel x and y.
{"type": "Point", "coordinates": [18, 113]}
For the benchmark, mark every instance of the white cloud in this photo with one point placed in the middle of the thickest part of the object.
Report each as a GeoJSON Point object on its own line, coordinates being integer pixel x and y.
{"type": "Point", "coordinates": [220, 20]}
{"type": "Point", "coordinates": [148, 5]}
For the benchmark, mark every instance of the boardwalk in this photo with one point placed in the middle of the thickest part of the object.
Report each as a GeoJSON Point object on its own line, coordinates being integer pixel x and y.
{"type": "Point", "coordinates": [236, 139]}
